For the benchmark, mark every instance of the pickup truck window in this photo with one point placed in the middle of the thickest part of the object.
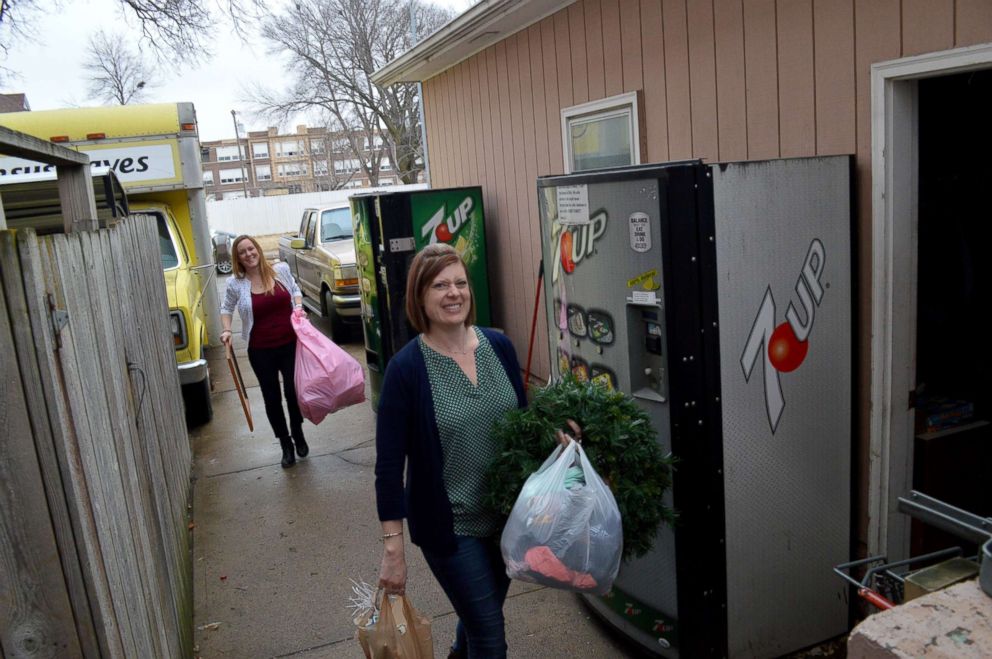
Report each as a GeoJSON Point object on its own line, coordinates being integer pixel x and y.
{"type": "Point", "coordinates": [335, 224]}
{"type": "Point", "coordinates": [165, 247]}
{"type": "Point", "coordinates": [311, 230]}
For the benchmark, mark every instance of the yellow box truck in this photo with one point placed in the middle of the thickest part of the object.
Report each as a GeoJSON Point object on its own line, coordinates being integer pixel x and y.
{"type": "Point", "coordinates": [155, 152]}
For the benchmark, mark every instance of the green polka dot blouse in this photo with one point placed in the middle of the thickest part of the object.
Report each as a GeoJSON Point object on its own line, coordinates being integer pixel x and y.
{"type": "Point", "coordinates": [465, 416]}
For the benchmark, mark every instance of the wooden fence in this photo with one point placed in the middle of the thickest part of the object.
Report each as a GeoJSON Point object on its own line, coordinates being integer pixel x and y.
{"type": "Point", "coordinates": [94, 456]}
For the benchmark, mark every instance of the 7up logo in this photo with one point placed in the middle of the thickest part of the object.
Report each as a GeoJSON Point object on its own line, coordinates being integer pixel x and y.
{"type": "Point", "coordinates": [783, 348]}
{"type": "Point", "coordinates": [443, 229]}
{"type": "Point", "coordinates": [575, 243]}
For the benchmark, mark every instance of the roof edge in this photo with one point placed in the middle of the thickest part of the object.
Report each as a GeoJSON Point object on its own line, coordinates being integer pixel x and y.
{"type": "Point", "coordinates": [479, 27]}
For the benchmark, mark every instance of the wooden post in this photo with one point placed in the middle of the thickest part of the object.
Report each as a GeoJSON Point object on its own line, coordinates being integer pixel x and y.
{"type": "Point", "coordinates": [76, 198]}
{"type": "Point", "coordinates": [75, 188]}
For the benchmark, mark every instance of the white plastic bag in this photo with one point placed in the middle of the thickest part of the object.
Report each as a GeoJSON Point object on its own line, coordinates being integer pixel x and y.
{"type": "Point", "coordinates": [564, 530]}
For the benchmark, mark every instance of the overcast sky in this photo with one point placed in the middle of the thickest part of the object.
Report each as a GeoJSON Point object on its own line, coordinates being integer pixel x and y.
{"type": "Point", "coordinates": [48, 66]}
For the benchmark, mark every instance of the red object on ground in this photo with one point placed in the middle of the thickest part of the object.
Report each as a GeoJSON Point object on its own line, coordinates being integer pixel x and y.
{"type": "Point", "coordinates": [876, 600]}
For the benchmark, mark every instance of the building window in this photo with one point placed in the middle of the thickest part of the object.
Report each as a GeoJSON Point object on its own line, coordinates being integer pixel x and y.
{"type": "Point", "coordinates": [385, 166]}
{"type": "Point", "coordinates": [291, 169]}
{"type": "Point", "coordinates": [294, 189]}
{"type": "Point", "coordinates": [602, 133]}
{"type": "Point", "coordinates": [208, 178]}
{"type": "Point", "coordinates": [226, 153]}
{"type": "Point", "coordinates": [384, 182]}
{"type": "Point", "coordinates": [234, 194]}
{"type": "Point", "coordinates": [263, 172]}
{"type": "Point", "coordinates": [316, 147]}
{"type": "Point", "coordinates": [346, 166]}
{"type": "Point", "coordinates": [285, 148]}
{"type": "Point", "coordinates": [341, 145]}
{"type": "Point", "coordinates": [320, 168]}
{"type": "Point", "coordinates": [232, 175]}
{"type": "Point", "coordinates": [353, 184]}
{"type": "Point", "coordinates": [205, 154]}
{"type": "Point", "coordinates": [260, 149]}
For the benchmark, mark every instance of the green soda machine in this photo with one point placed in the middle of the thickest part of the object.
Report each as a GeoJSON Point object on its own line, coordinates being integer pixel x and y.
{"type": "Point", "coordinates": [390, 228]}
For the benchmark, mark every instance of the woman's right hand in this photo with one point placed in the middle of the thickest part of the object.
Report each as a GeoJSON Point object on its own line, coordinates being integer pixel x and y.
{"type": "Point", "coordinates": [225, 337]}
{"type": "Point", "coordinates": [392, 572]}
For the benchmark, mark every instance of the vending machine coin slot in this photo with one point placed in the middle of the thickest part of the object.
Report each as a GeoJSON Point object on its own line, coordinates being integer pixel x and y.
{"type": "Point", "coordinates": [645, 338]}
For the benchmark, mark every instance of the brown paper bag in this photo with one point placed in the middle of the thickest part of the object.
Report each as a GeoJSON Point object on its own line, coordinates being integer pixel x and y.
{"type": "Point", "coordinates": [400, 633]}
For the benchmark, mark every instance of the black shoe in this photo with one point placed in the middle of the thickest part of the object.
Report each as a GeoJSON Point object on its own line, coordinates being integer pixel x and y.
{"type": "Point", "coordinates": [302, 449]}
{"type": "Point", "coordinates": [288, 459]}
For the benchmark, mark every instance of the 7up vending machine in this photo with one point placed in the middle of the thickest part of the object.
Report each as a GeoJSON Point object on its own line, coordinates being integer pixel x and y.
{"type": "Point", "coordinates": [390, 229]}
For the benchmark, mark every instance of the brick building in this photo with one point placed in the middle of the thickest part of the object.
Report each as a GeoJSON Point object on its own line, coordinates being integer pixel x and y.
{"type": "Point", "coordinates": [267, 162]}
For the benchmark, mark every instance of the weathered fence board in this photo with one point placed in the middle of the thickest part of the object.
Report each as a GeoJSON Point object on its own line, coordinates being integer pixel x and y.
{"type": "Point", "coordinates": [94, 545]}
{"type": "Point", "coordinates": [35, 613]}
{"type": "Point", "coordinates": [37, 408]}
{"type": "Point", "coordinates": [99, 460]}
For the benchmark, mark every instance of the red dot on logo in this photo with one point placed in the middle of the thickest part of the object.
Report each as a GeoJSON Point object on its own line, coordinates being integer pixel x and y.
{"type": "Point", "coordinates": [785, 351]}
{"type": "Point", "coordinates": [442, 233]}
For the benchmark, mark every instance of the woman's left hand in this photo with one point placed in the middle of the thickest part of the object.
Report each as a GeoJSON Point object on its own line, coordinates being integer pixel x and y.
{"type": "Point", "coordinates": [299, 312]}
{"type": "Point", "coordinates": [576, 433]}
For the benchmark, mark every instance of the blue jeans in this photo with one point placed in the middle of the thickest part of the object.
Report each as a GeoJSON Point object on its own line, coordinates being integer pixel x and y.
{"type": "Point", "coordinates": [474, 579]}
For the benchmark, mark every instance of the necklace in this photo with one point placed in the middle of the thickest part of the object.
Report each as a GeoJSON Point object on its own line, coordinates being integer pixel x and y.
{"type": "Point", "coordinates": [464, 351]}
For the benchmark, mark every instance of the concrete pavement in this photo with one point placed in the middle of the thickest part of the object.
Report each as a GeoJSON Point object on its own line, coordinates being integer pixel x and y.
{"type": "Point", "coordinates": [275, 549]}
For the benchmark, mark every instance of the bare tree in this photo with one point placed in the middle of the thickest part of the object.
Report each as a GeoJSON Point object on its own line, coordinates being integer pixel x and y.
{"type": "Point", "coordinates": [333, 47]}
{"type": "Point", "coordinates": [117, 73]}
{"type": "Point", "coordinates": [171, 28]}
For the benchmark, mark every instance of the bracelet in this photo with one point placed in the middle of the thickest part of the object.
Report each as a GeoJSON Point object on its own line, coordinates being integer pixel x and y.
{"type": "Point", "coordinates": [228, 331]}
{"type": "Point", "coordinates": [391, 535]}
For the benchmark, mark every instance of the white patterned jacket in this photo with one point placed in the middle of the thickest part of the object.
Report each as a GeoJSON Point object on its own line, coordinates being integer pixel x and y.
{"type": "Point", "coordinates": [238, 296]}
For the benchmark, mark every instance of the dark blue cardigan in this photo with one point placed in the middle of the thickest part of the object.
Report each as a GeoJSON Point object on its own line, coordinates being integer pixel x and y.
{"type": "Point", "coordinates": [406, 431]}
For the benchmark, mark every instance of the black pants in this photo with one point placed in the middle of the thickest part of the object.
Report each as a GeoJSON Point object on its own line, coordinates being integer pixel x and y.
{"type": "Point", "coordinates": [268, 363]}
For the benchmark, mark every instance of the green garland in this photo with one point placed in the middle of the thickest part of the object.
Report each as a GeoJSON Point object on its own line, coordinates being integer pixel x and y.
{"type": "Point", "coordinates": [618, 438]}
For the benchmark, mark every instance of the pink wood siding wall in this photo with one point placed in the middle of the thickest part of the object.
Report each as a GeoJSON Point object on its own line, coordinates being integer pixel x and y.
{"type": "Point", "coordinates": [720, 80]}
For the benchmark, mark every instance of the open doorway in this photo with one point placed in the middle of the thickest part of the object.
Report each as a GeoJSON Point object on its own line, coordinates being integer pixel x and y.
{"type": "Point", "coordinates": [952, 429]}
{"type": "Point", "coordinates": [929, 139]}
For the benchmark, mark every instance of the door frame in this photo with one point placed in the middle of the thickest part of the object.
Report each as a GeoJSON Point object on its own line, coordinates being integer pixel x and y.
{"type": "Point", "coordinates": [894, 176]}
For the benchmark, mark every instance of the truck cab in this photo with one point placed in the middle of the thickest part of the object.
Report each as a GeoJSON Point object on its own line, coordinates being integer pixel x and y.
{"type": "Point", "coordinates": [186, 314]}
{"type": "Point", "coordinates": [321, 256]}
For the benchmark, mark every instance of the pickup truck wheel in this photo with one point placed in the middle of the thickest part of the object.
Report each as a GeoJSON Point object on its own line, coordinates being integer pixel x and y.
{"type": "Point", "coordinates": [224, 267]}
{"type": "Point", "coordinates": [338, 329]}
{"type": "Point", "coordinates": [196, 400]}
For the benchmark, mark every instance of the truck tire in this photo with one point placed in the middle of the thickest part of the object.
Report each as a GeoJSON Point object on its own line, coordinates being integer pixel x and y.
{"type": "Point", "coordinates": [339, 331]}
{"type": "Point", "coordinates": [196, 400]}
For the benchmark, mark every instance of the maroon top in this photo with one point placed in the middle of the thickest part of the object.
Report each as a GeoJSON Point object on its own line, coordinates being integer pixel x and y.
{"type": "Point", "coordinates": [271, 326]}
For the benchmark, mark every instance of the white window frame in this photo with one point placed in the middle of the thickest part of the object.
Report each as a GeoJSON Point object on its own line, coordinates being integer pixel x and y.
{"type": "Point", "coordinates": [263, 172]}
{"type": "Point", "coordinates": [231, 181]}
{"type": "Point", "coordinates": [260, 149]}
{"type": "Point", "coordinates": [228, 156]}
{"type": "Point", "coordinates": [602, 109]}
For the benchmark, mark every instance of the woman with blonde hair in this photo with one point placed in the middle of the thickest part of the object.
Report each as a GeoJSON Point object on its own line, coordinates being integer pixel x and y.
{"type": "Point", "coordinates": [266, 298]}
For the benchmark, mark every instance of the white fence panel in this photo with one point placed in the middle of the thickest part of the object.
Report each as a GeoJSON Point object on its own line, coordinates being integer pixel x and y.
{"type": "Point", "coordinates": [263, 216]}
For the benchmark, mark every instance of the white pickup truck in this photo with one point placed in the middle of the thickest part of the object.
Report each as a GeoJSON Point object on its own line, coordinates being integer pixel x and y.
{"type": "Point", "coordinates": [321, 256]}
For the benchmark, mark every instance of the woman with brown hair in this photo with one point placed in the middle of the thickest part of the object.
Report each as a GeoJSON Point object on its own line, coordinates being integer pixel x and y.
{"type": "Point", "coordinates": [441, 395]}
{"type": "Point", "coordinates": [266, 297]}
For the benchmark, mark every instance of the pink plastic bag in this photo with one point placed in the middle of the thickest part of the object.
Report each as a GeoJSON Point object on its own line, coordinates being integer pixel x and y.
{"type": "Point", "coordinates": [327, 378]}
